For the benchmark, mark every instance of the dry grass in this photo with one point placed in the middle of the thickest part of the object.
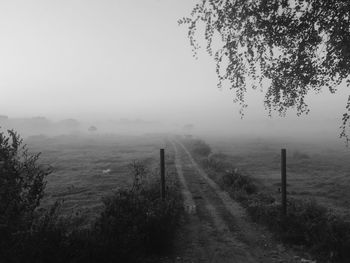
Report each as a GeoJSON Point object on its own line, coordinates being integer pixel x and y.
{"type": "Point", "coordinates": [314, 171]}
{"type": "Point", "coordinates": [311, 224]}
{"type": "Point", "coordinates": [78, 163]}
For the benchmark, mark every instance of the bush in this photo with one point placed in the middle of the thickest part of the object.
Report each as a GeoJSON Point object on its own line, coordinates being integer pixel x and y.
{"type": "Point", "coordinates": [308, 224]}
{"type": "Point", "coordinates": [215, 163]}
{"type": "Point", "coordinates": [200, 148]}
{"type": "Point", "coordinates": [133, 225]}
{"type": "Point", "coordinates": [238, 185]}
{"type": "Point", "coordinates": [47, 240]}
{"type": "Point", "coordinates": [21, 186]}
{"type": "Point", "coordinates": [137, 221]}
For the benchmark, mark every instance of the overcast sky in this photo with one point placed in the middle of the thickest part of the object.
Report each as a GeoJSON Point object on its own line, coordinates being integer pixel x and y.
{"type": "Point", "coordinates": [116, 59]}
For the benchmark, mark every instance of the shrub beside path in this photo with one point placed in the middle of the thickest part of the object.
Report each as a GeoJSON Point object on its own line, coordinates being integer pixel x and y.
{"type": "Point", "coordinates": [217, 229]}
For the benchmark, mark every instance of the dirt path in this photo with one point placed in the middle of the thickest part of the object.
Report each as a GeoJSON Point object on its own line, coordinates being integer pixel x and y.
{"type": "Point", "coordinates": [217, 228]}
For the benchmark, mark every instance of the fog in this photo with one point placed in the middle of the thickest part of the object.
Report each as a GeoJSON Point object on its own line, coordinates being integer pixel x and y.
{"type": "Point", "coordinates": [127, 67]}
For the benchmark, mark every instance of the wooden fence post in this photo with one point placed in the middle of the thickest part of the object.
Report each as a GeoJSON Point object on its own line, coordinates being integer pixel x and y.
{"type": "Point", "coordinates": [284, 181]}
{"type": "Point", "coordinates": [162, 174]}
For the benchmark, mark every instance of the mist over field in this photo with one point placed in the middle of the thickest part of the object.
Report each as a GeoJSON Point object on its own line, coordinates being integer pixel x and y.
{"type": "Point", "coordinates": [283, 130]}
{"type": "Point", "coordinates": [133, 149]}
{"type": "Point", "coordinates": [70, 65]}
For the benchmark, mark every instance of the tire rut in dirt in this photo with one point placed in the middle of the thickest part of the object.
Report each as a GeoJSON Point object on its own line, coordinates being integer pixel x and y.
{"type": "Point", "coordinates": [214, 217]}
{"type": "Point", "coordinates": [232, 213]}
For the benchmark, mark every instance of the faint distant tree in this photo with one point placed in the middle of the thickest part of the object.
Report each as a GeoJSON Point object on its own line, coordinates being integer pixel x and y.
{"type": "Point", "coordinates": [188, 127]}
{"type": "Point", "coordinates": [287, 47]}
{"type": "Point", "coordinates": [21, 185]}
{"type": "Point", "coordinates": [92, 128]}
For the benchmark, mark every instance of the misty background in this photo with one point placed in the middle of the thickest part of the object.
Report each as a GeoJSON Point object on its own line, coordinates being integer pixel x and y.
{"type": "Point", "coordinates": [127, 67]}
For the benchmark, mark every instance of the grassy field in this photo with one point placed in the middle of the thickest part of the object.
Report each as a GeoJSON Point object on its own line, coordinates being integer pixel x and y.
{"type": "Point", "coordinates": [314, 170]}
{"type": "Point", "coordinates": [78, 163]}
{"type": "Point", "coordinates": [111, 211]}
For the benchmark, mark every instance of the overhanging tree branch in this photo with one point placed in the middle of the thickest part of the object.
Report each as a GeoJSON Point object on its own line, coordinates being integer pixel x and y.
{"type": "Point", "coordinates": [298, 46]}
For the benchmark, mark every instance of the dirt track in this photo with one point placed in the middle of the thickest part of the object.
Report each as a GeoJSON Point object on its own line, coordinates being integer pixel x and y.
{"type": "Point", "coordinates": [217, 228]}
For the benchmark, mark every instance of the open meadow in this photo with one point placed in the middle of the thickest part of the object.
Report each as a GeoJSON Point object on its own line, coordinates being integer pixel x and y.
{"type": "Point", "coordinates": [87, 168]}
{"type": "Point", "coordinates": [317, 171]}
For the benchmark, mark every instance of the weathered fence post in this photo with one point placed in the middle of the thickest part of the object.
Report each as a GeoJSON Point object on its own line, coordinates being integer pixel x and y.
{"type": "Point", "coordinates": [162, 174]}
{"type": "Point", "coordinates": [284, 181]}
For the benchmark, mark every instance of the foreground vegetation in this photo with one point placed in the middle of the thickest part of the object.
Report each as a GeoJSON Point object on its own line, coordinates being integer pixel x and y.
{"type": "Point", "coordinates": [308, 224]}
{"type": "Point", "coordinates": [134, 225]}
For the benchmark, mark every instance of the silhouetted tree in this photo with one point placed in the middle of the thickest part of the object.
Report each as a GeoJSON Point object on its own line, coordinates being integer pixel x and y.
{"type": "Point", "coordinates": [21, 185]}
{"type": "Point", "coordinates": [289, 47]}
